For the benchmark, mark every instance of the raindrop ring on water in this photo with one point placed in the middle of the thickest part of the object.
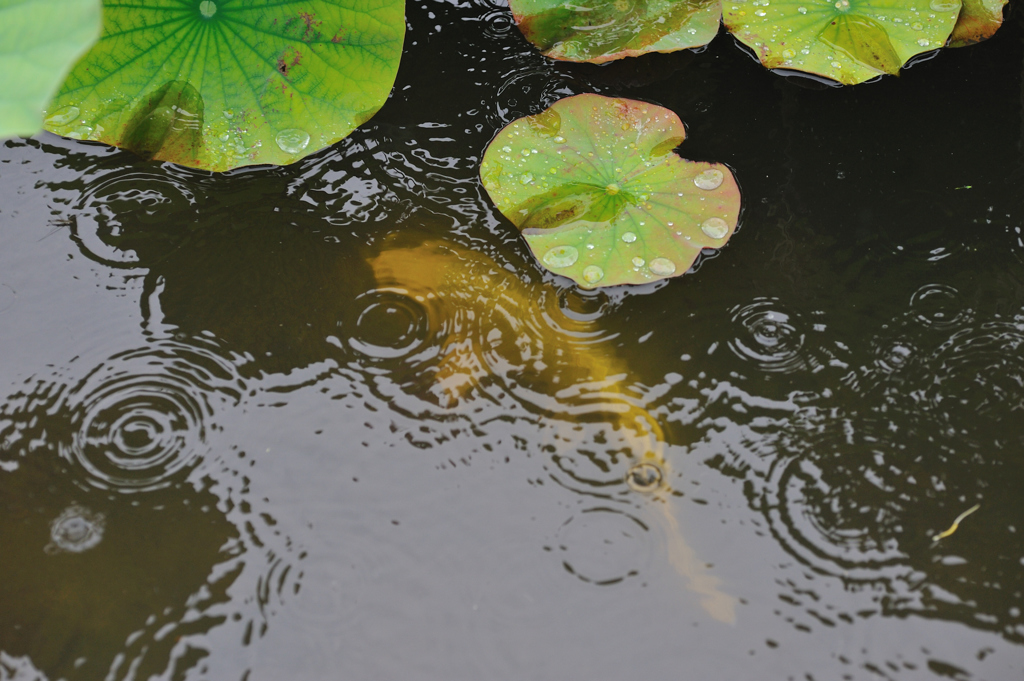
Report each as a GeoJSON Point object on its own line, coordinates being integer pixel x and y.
{"type": "Point", "coordinates": [75, 530]}
{"type": "Point", "coordinates": [141, 419]}
{"type": "Point", "coordinates": [767, 336]}
{"type": "Point", "coordinates": [389, 325]}
{"type": "Point", "coordinates": [938, 306]}
{"type": "Point", "coordinates": [644, 477]}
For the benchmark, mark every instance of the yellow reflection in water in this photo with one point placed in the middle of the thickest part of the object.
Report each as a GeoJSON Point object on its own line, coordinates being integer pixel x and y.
{"type": "Point", "coordinates": [491, 324]}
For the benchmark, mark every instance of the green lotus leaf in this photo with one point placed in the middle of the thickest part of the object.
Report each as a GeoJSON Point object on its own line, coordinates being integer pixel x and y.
{"type": "Point", "coordinates": [849, 41]}
{"type": "Point", "coordinates": [603, 30]}
{"type": "Point", "coordinates": [218, 84]}
{"type": "Point", "coordinates": [979, 20]}
{"type": "Point", "coordinates": [40, 40]}
{"type": "Point", "coordinates": [595, 189]}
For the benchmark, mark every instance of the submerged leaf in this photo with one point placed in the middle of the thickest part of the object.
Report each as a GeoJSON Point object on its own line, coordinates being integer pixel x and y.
{"type": "Point", "coordinates": [602, 199]}
{"type": "Point", "coordinates": [979, 20]}
{"type": "Point", "coordinates": [40, 40]}
{"type": "Point", "coordinates": [849, 41]}
{"type": "Point", "coordinates": [603, 30]}
{"type": "Point", "coordinates": [218, 84]}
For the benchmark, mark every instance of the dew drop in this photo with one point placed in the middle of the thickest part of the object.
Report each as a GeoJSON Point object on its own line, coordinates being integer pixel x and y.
{"type": "Point", "coordinates": [711, 178]}
{"type": "Point", "coordinates": [638, 261]}
{"type": "Point", "coordinates": [663, 267]}
{"type": "Point", "coordinates": [917, 26]}
{"type": "Point", "coordinates": [558, 139]}
{"type": "Point", "coordinates": [716, 228]}
{"type": "Point", "coordinates": [592, 274]}
{"type": "Point", "coordinates": [526, 178]}
{"type": "Point", "coordinates": [292, 140]}
{"type": "Point", "coordinates": [629, 237]}
{"type": "Point", "coordinates": [612, 189]}
{"type": "Point", "coordinates": [207, 8]}
{"type": "Point", "coordinates": [507, 149]}
{"type": "Point", "coordinates": [801, 10]}
{"type": "Point", "coordinates": [923, 42]}
{"type": "Point", "coordinates": [63, 115]}
{"type": "Point", "coordinates": [561, 256]}
{"type": "Point", "coordinates": [944, 5]}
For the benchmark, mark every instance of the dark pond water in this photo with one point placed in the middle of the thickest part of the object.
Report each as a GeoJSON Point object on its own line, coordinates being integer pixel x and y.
{"type": "Point", "coordinates": [332, 421]}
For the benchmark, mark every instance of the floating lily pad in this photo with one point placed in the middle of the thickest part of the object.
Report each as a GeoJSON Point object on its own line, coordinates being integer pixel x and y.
{"type": "Point", "coordinates": [594, 187]}
{"type": "Point", "coordinates": [612, 29]}
{"type": "Point", "coordinates": [979, 20]}
{"type": "Point", "coordinates": [849, 41]}
{"type": "Point", "coordinates": [218, 84]}
{"type": "Point", "coordinates": [40, 40]}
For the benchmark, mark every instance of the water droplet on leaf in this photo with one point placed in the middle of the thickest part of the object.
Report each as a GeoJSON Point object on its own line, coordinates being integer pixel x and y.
{"type": "Point", "coordinates": [663, 267]}
{"type": "Point", "coordinates": [561, 256]}
{"type": "Point", "coordinates": [629, 237]}
{"type": "Point", "coordinates": [716, 228]}
{"type": "Point", "coordinates": [63, 115]}
{"type": "Point", "coordinates": [711, 178]}
{"type": "Point", "coordinates": [592, 274]}
{"type": "Point", "coordinates": [292, 140]}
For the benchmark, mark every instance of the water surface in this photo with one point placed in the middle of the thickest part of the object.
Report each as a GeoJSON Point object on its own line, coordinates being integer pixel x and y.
{"type": "Point", "coordinates": [332, 420]}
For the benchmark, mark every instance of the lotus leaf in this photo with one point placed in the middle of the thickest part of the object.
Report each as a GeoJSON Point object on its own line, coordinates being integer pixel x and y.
{"type": "Point", "coordinates": [979, 20]}
{"type": "Point", "coordinates": [603, 30]}
{"type": "Point", "coordinates": [594, 187]}
{"type": "Point", "coordinates": [41, 40]}
{"type": "Point", "coordinates": [218, 84]}
{"type": "Point", "coordinates": [849, 41]}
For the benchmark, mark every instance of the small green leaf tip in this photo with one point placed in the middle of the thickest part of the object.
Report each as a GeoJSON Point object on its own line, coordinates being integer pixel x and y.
{"type": "Point", "coordinates": [40, 40]}
{"type": "Point", "coordinates": [218, 84]}
{"type": "Point", "coordinates": [613, 29]}
{"type": "Point", "coordinates": [597, 193]}
{"type": "Point", "coordinates": [849, 41]}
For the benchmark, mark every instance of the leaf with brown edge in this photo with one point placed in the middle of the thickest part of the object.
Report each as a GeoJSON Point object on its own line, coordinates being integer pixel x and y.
{"type": "Point", "coordinates": [979, 20]}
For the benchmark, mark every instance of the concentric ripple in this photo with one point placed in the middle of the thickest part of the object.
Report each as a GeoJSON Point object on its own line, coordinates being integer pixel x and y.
{"type": "Point", "coordinates": [603, 546]}
{"type": "Point", "coordinates": [768, 336]}
{"type": "Point", "coordinates": [121, 219]}
{"type": "Point", "coordinates": [938, 306]}
{"type": "Point", "coordinates": [977, 373]}
{"type": "Point", "coordinates": [389, 324]}
{"type": "Point", "coordinates": [137, 422]}
{"type": "Point", "coordinates": [824, 523]}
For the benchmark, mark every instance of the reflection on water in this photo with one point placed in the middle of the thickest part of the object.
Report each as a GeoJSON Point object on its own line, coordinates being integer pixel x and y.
{"type": "Point", "coordinates": [90, 586]}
